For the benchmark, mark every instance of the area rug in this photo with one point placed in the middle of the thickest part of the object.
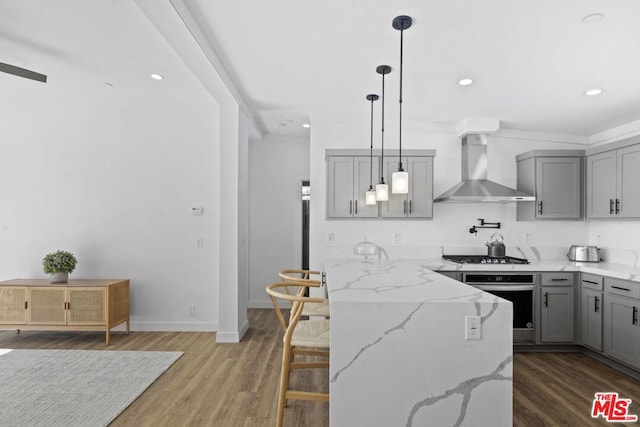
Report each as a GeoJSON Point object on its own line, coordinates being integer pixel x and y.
{"type": "Point", "coordinates": [74, 388]}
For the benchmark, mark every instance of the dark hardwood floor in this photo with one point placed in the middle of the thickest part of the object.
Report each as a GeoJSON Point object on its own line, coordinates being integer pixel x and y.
{"type": "Point", "coordinates": [235, 384]}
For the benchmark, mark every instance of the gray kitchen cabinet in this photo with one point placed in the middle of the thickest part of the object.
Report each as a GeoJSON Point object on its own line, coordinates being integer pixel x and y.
{"type": "Point", "coordinates": [591, 304]}
{"type": "Point", "coordinates": [347, 182]}
{"type": "Point", "coordinates": [555, 178]}
{"type": "Point", "coordinates": [557, 300]}
{"type": "Point", "coordinates": [621, 330]}
{"type": "Point", "coordinates": [418, 203]}
{"type": "Point", "coordinates": [612, 180]}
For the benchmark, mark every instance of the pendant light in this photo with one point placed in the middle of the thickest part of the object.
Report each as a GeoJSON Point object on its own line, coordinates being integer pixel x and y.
{"type": "Point", "coordinates": [400, 178]}
{"type": "Point", "coordinates": [382, 189]}
{"type": "Point", "coordinates": [370, 196]}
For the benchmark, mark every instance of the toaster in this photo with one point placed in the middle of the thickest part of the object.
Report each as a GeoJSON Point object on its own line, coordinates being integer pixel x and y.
{"type": "Point", "coordinates": [584, 253]}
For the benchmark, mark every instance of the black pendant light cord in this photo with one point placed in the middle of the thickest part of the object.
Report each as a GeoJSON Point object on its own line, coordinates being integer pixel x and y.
{"type": "Point", "coordinates": [382, 138]}
{"type": "Point", "coordinates": [371, 97]}
{"type": "Point", "coordinates": [400, 123]}
{"type": "Point", "coordinates": [382, 69]}
{"type": "Point", "coordinates": [401, 23]}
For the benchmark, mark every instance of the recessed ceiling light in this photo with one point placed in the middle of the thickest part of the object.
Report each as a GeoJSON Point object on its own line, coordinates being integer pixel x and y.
{"type": "Point", "coordinates": [156, 77]}
{"type": "Point", "coordinates": [465, 82]}
{"type": "Point", "coordinates": [593, 18]}
{"type": "Point", "coordinates": [592, 92]}
{"type": "Point", "coordinates": [306, 125]}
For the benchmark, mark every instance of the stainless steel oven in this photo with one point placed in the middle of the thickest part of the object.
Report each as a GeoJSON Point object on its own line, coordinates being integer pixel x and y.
{"type": "Point", "coordinates": [519, 288]}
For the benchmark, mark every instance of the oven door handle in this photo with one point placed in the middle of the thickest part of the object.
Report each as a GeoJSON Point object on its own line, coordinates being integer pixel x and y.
{"type": "Point", "coordinates": [489, 288]}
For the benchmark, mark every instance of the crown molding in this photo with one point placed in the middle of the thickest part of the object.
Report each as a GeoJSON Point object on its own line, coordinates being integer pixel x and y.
{"type": "Point", "coordinates": [617, 133]}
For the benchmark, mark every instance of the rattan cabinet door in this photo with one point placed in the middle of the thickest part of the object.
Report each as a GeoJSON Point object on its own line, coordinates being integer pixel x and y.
{"type": "Point", "coordinates": [12, 305]}
{"type": "Point", "coordinates": [46, 306]}
{"type": "Point", "coordinates": [87, 306]}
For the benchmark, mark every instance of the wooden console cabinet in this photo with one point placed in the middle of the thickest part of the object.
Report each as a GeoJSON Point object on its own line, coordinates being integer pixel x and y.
{"type": "Point", "coordinates": [77, 305]}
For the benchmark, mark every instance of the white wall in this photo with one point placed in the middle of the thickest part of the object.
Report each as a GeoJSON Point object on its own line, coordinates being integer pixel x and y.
{"type": "Point", "coordinates": [277, 166]}
{"type": "Point", "coordinates": [451, 221]}
{"type": "Point", "coordinates": [621, 234]}
{"type": "Point", "coordinates": [112, 179]}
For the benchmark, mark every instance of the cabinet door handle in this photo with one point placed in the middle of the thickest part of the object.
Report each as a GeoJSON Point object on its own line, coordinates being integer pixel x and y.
{"type": "Point", "coordinates": [404, 207]}
{"type": "Point", "coordinates": [25, 305]}
{"type": "Point", "coordinates": [350, 207]}
{"type": "Point", "coordinates": [590, 281]}
{"type": "Point", "coordinates": [621, 289]}
{"type": "Point", "coordinates": [546, 299]}
{"type": "Point", "coordinates": [356, 205]}
{"type": "Point", "coordinates": [410, 209]}
{"type": "Point", "coordinates": [596, 304]}
{"type": "Point", "coordinates": [617, 206]}
{"type": "Point", "coordinates": [559, 280]}
{"type": "Point", "coordinates": [611, 206]}
{"type": "Point", "coordinates": [634, 320]}
{"type": "Point", "coordinates": [540, 207]}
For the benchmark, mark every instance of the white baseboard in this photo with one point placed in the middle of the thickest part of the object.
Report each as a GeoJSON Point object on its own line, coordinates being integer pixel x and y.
{"type": "Point", "coordinates": [232, 336]}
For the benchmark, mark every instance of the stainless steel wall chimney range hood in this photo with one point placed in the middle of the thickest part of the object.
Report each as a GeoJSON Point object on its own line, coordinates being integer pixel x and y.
{"type": "Point", "coordinates": [475, 187]}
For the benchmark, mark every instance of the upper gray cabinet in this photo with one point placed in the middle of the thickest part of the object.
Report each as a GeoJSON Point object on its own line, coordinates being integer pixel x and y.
{"type": "Point", "coordinates": [348, 180]}
{"type": "Point", "coordinates": [555, 178]}
{"type": "Point", "coordinates": [612, 181]}
{"type": "Point", "coordinates": [418, 203]}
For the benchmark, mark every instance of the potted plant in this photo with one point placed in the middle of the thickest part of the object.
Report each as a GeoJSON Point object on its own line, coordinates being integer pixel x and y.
{"type": "Point", "coordinates": [58, 265]}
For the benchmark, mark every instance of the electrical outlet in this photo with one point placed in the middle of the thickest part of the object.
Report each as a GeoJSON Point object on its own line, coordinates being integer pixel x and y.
{"type": "Point", "coordinates": [472, 328]}
{"type": "Point", "coordinates": [527, 238]}
{"type": "Point", "coordinates": [191, 309]}
{"type": "Point", "coordinates": [396, 239]}
{"type": "Point", "coordinates": [331, 238]}
{"type": "Point", "coordinates": [200, 243]}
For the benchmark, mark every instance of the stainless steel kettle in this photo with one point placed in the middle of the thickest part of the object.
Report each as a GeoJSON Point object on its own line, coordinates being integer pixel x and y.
{"type": "Point", "coordinates": [496, 247]}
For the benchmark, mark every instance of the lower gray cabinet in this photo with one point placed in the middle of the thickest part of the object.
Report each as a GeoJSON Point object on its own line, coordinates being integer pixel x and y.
{"type": "Point", "coordinates": [591, 308]}
{"type": "Point", "coordinates": [557, 300]}
{"type": "Point", "coordinates": [621, 329]}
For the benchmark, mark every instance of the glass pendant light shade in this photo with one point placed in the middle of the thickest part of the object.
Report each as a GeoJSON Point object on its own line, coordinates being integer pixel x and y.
{"type": "Point", "coordinates": [382, 192]}
{"type": "Point", "coordinates": [400, 182]}
{"type": "Point", "coordinates": [370, 197]}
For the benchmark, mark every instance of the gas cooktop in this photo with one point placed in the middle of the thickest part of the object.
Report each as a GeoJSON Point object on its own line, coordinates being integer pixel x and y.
{"type": "Point", "coordinates": [482, 259]}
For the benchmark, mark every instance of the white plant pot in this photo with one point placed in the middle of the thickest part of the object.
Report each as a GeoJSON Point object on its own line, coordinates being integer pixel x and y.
{"type": "Point", "coordinates": [62, 276]}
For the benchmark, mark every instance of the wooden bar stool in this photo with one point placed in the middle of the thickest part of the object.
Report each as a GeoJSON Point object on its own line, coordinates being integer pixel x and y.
{"type": "Point", "coordinates": [318, 309]}
{"type": "Point", "coordinates": [301, 337]}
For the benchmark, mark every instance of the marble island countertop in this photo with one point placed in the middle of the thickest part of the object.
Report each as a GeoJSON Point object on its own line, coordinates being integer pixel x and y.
{"type": "Point", "coordinates": [395, 280]}
{"type": "Point", "coordinates": [399, 351]}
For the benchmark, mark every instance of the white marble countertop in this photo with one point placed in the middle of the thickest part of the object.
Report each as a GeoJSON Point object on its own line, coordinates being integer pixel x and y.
{"type": "Point", "coordinates": [618, 271]}
{"type": "Point", "coordinates": [399, 353]}
{"type": "Point", "coordinates": [396, 281]}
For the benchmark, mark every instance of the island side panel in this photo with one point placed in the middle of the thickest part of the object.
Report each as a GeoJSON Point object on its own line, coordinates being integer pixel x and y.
{"type": "Point", "coordinates": [396, 363]}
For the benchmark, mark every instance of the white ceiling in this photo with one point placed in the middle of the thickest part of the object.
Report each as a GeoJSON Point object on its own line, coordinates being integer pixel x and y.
{"type": "Point", "coordinates": [531, 61]}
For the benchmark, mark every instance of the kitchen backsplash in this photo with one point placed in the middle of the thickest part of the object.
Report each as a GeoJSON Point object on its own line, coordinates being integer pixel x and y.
{"type": "Point", "coordinates": [621, 256]}
{"type": "Point", "coordinates": [532, 253]}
